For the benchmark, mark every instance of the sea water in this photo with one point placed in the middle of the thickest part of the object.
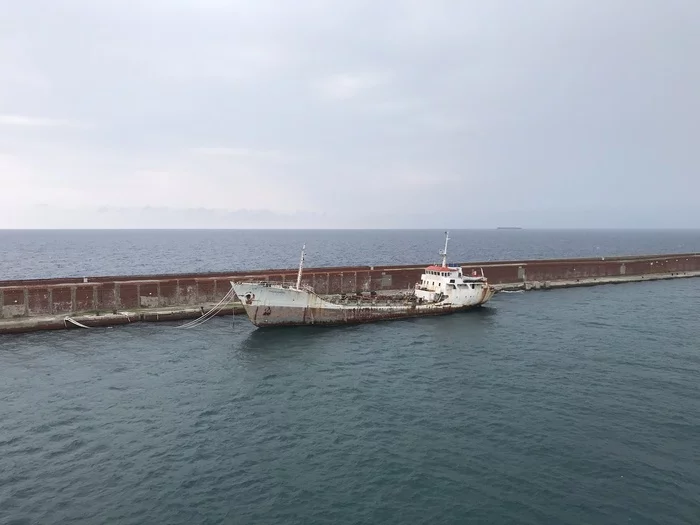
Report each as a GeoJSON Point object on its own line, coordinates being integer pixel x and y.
{"type": "Point", "coordinates": [565, 406]}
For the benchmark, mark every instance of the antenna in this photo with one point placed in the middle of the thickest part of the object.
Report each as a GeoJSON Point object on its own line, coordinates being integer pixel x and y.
{"type": "Point", "coordinates": [301, 265]}
{"type": "Point", "coordinates": [444, 252]}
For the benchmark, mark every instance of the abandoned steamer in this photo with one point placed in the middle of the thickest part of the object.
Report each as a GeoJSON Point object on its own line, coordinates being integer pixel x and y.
{"type": "Point", "coordinates": [442, 289]}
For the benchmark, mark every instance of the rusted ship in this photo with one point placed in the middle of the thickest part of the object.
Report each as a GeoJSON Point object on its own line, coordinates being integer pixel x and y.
{"type": "Point", "coordinates": [442, 290]}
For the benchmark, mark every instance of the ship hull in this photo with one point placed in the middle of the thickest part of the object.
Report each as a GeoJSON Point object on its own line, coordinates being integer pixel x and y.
{"type": "Point", "coordinates": [291, 316]}
{"type": "Point", "coordinates": [270, 306]}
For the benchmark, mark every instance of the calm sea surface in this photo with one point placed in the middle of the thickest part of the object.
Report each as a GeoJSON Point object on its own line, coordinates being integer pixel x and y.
{"type": "Point", "coordinates": [50, 253]}
{"type": "Point", "coordinates": [564, 407]}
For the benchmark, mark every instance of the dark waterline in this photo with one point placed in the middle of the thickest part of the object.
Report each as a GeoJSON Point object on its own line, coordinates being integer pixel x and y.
{"type": "Point", "coordinates": [570, 406]}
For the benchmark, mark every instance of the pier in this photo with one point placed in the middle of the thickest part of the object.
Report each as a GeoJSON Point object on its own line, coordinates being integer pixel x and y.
{"type": "Point", "coordinates": [77, 302]}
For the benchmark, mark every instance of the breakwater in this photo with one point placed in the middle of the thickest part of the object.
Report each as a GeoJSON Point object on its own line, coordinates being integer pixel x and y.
{"type": "Point", "coordinates": [43, 304]}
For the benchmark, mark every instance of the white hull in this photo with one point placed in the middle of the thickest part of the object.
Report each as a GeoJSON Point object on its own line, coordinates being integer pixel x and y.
{"type": "Point", "coordinates": [443, 289]}
{"type": "Point", "coordinates": [276, 305]}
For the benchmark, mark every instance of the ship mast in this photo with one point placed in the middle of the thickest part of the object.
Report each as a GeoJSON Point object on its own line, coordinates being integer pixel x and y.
{"type": "Point", "coordinates": [444, 252]}
{"type": "Point", "coordinates": [301, 265]}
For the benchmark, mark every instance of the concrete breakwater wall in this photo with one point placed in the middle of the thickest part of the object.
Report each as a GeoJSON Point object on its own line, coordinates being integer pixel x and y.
{"type": "Point", "coordinates": [105, 295]}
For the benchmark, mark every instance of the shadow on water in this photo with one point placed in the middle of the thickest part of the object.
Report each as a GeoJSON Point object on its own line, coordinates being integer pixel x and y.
{"type": "Point", "coordinates": [270, 339]}
{"type": "Point", "coordinates": [286, 338]}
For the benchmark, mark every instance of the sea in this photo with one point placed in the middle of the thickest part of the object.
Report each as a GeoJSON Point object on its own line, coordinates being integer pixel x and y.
{"type": "Point", "coordinates": [569, 406]}
{"type": "Point", "coordinates": [38, 254]}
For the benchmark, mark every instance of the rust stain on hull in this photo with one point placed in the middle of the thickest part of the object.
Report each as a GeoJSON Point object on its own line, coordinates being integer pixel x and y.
{"type": "Point", "coordinates": [296, 316]}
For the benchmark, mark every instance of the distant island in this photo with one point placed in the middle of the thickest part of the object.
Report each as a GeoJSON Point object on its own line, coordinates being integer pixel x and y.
{"type": "Point", "coordinates": [509, 228]}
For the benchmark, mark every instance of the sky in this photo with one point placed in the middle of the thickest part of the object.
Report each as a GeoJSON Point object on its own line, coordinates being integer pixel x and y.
{"type": "Point", "coordinates": [337, 114]}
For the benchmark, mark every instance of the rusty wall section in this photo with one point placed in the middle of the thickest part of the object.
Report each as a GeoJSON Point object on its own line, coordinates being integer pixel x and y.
{"type": "Point", "coordinates": [111, 294]}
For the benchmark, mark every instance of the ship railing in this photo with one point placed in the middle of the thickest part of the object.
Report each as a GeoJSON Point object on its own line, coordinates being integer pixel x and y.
{"type": "Point", "coordinates": [287, 285]}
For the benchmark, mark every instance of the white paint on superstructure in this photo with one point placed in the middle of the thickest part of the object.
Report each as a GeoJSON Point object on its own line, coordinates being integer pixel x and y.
{"type": "Point", "coordinates": [442, 288]}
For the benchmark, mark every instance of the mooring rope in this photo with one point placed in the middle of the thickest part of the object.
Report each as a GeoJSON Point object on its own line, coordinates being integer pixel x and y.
{"type": "Point", "coordinates": [191, 324]}
{"type": "Point", "coordinates": [211, 313]}
{"type": "Point", "coordinates": [76, 323]}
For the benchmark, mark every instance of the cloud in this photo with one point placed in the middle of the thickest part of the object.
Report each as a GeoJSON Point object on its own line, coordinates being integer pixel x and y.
{"type": "Point", "coordinates": [362, 113]}
{"type": "Point", "coordinates": [344, 86]}
{"type": "Point", "coordinates": [146, 217]}
{"type": "Point", "coordinates": [27, 121]}
{"type": "Point", "coordinates": [237, 152]}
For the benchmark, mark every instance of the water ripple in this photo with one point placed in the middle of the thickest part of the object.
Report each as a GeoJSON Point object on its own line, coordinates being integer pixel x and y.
{"type": "Point", "coordinates": [557, 407]}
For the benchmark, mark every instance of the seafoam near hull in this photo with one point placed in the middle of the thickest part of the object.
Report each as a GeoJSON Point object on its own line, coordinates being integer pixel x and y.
{"type": "Point", "coordinates": [268, 305]}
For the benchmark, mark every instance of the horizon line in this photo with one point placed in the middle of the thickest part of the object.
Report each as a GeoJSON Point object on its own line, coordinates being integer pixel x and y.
{"type": "Point", "coordinates": [493, 228]}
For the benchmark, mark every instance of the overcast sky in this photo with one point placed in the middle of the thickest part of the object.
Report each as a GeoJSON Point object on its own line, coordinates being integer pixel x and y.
{"type": "Point", "coordinates": [318, 113]}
